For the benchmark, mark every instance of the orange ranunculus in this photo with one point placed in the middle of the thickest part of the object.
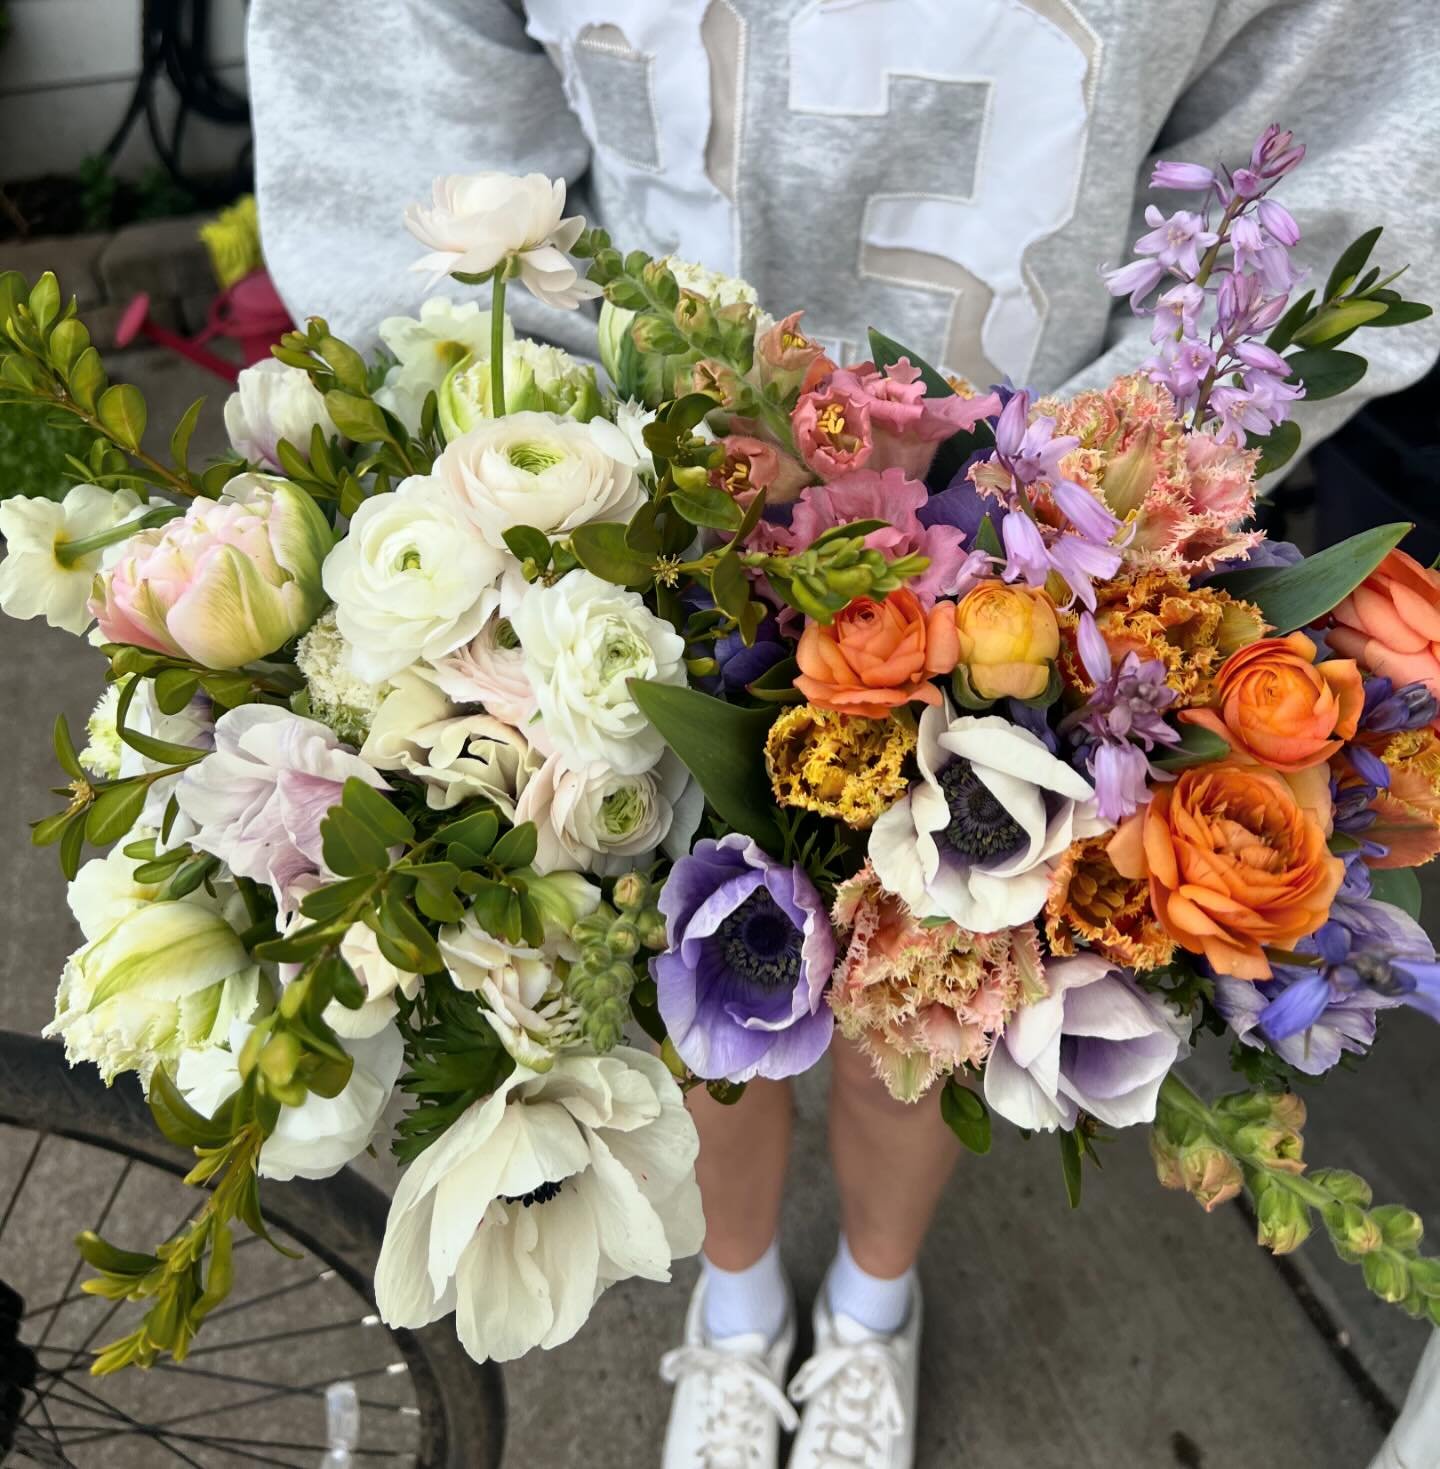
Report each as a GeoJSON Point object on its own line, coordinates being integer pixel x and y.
{"type": "Point", "coordinates": [877, 656]}
{"type": "Point", "coordinates": [1390, 623]}
{"type": "Point", "coordinates": [1009, 639]}
{"type": "Point", "coordinates": [1275, 704]}
{"type": "Point", "coordinates": [1235, 863]}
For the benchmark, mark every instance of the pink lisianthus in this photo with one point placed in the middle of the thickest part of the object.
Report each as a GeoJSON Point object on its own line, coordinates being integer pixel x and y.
{"type": "Point", "coordinates": [892, 496]}
{"type": "Point", "coordinates": [227, 583]}
{"type": "Point", "coordinates": [923, 1001]}
{"type": "Point", "coordinates": [751, 465]}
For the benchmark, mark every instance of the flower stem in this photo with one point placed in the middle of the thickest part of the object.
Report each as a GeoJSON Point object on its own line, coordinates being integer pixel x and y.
{"type": "Point", "coordinates": [67, 553]}
{"type": "Point", "coordinates": [497, 344]}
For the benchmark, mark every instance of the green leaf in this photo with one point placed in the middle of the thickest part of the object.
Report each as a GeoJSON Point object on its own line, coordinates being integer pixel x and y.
{"type": "Point", "coordinates": [1351, 262]}
{"type": "Point", "coordinates": [67, 342]}
{"type": "Point", "coordinates": [987, 538]}
{"type": "Point", "coordinates": [886, 350]}
{"type": "Point", "coordinates": [399, 921]}
{"type": "Point", "coordinates": [45, 300]}
{"type": "Point", "coordinates": [706, 506]}
{"type": "Point", "coordinates": [1277, 447]}
{"type": "Point", "coordinates": [966, 1115]}
{"type": "Point", "coordinates": [388, 822]}
{"type": "Point", "coordinates": [100, 1254]}
{"type": "Point", "coordinates": [1336, 321]}
{"type": "Point", "coordinates": [165, 751]}
{"type": "Point", "coordinates": [516, 848]}
{"type": "Point", "coordinates": [359, 419]}
{"type": "Point", "coordinates": [1290, 323]}
{"type": "Point", "coordinates": [477, 831]}
{"type": "Point", "coordinates": [1397, 885]}
{"type": "Point", "coordinates": [1070, 1166]}
{"type": "Point", "coordinates": [87, 379]}
{"type": "Point", "coordinates": [72, 845]}
{"type": "Point", "coordinates": [777, 684]}
{"type": "Point", "coordinates": [1291, 597]}
{"type": "Point", "coordinates": [1402, 313]}
{"type": "Point", "coordinates": [65, 750]}
{"type": "Point", "coordinates": [122, 414]}
{"type": "Point", "coordinates": [178, 1120]}
{"type": "Point", "coordinates": [114, 811]}
{"type": "Point", "coordinates": [335, 898]}
{"type": "Point", "coordinates": [349, 846]}
{"type": "Point", "coordinates": [723, 747]}
{"type": "Point", "coordinates": [1326, 372]}
{"type": "Point", "coordinates": [180, 439]}
{"type": "Point", "coordinates": [174, 688]}
{"type": "Point", "coordinates": [729, 585]}
{"type": "Point", "coordinates": [528, 544]}
{"type": "Point", "coordinates": [601, 549]}
{"type": "Point", "coordinates": [1198, 746]}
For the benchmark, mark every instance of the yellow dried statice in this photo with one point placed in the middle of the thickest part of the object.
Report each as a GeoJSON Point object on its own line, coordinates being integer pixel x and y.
{"type": "Point", "coordinates": [837, 764]}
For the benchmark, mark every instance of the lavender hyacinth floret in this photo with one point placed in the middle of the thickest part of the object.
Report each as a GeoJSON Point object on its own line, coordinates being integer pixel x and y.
{"type": "Point", "coordinates": [1389, 710]}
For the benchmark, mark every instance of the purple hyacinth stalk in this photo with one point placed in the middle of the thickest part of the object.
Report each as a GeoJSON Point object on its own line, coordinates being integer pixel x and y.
{"type": "Point", "coordinates": [1233, 253]}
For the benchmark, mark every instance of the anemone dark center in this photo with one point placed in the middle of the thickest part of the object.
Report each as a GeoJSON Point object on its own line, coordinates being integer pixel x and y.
{"type": "Point", "coordinates": [979, 826]}
{"type": "Point", "coordinates": [759, 943]}
{"type": "Point", "coordinates": [541, 1195]}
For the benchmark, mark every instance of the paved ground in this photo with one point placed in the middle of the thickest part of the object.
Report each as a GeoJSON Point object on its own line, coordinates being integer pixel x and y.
{"type": "Point", "coordinates": [1137, 1333]}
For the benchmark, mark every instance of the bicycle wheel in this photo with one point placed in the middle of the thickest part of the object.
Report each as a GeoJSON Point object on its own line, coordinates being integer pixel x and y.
{"type": "Point", "coordinates": [76, 1155]}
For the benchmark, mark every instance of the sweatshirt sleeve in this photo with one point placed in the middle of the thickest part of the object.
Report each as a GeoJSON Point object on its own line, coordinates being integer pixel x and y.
{"type": "Point", "coordinates": [1362, 97]}
{"type": "Point", "coordinates": [357, 107]}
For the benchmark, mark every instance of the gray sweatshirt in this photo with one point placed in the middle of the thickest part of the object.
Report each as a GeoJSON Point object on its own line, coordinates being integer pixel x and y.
{"type": "Point", "coordinates": [955, 172]}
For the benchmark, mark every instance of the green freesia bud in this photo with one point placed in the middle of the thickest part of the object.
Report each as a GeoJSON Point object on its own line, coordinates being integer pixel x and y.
{"type": "Point", "coordinates": [631, 890]}
{"type": "Point", "coordinates": [652, 929]}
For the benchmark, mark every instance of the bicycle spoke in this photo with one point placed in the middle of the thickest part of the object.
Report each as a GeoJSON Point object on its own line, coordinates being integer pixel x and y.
{"type": "Point", "coordinates": [20, 1187]}
{"type": "Point", "coordinates": [138, 1427]}
{"type": "Point", "coordinates": [295, 1333]}
{"type": "Point", "coordinates": [270, 1295]}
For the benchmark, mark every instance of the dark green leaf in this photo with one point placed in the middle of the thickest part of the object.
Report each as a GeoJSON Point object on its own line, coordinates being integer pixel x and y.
{"type": "Point", "coordinates": [477, 831]}
{"type": "Point", "coordinates": [178, 1120]}
{"type": "Point", "coordinates": [886, 351]}
{"type": "Point", "coordinates": [190, 874]}
{"type": "Point", "coordinates": [72, 845]}
{"type": "Point", "coordinates": [729, 586]}
{"type": "Point", "coordinates": [1402, 313]}
{"type": "Point", "coordinates": [1198, 746]}
{"type": "Point", "coordinates": [966, 1115]}
{"type": "Point", "coordinates": [861, 528]}
{"type": "Point", "coordinates": [1326, 373]}
{"type": "Point", "coordinates": [1070, 1166]}
{"type": "Point", "coordinates": [113, 812]}
{"type": "Point", "coordinates": [359, 419]}
{"type": "Point", "coordinates": [174, 688]}
{"type": "Point", "coordinates": [180, 439]}
{"type": "Point", "coordinates": [1289, 324]}
{"type": "Point", "coordinates": [1351, 262]}
{"type": "Point", "coordinates": [706, 506]}
{"type": "Point", "coordinates": [1291, 597]}
{"type": "Point", "coordinates": [723, 747]}
{"type": "Point", "coordinates": [335, 898]}
{"type": "Point", "coordinates": [528, 544]}
{"type": "Point", "coordinates": [1277, 447]}
{"type": "Point", "coordinates": [601, 549]}
{"type": "Point", "coordinates": [65, 750]}
{"type": "Point", "coordinates": [516, 848]}
{"type": "Point", "coordinates": [777, 684]}
{"type": "Point", "coordinates": [388, 822]}
{"type": "Point", "coordinates": [987, 538]}
{"type": "Point", "coordinates": [400, 921]}
{"type": "Point", "coordinates": [349, 846]}
{"type": "Point", "coordinates": [49, 829]}
{"type": "Point", "coordinates": [1397, 885]}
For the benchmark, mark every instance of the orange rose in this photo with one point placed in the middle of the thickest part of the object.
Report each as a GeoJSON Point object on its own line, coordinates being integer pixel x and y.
{"type": "Point", "coordinates": [877, 656]}
{"type": "Point", "coordinates": [1390, 623]}
{"type": "Point", "coordinates": [1278, 706]}
{"type": "Point", "coordinates": [1235, 863]}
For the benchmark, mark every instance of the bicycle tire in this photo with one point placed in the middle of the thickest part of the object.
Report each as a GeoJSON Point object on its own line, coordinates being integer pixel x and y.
{"type": "Point", "coordinates": [340, 1220]}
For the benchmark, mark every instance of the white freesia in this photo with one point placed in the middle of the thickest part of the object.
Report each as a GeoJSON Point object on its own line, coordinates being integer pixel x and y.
{"type": "Point", "coordinates": [477, 221]}
{"type": "Point", "coordinates": [320, 1136]}
{"type": "Point", "coordinates": [33, 581]}
{"type": "Point", "coordinates": [594, 819]}
{"type": "Point", "coordinates": [163, 979]}
{"type": "Point", "coordinates": [602, 1151]}
{"type": "Point", "coordinates": [458, 756]}
{"type": "Point", "coordinates": [1122, 1044]}
{"type": "Point", "coordinates": [1048, 804]}
{"type": "Point", "coordinates": [411, 579]}
{"type": "Point", "coordinates": [426, 348]}
{"type": "Point", "coordinates": [539, 469]}
{"type": "Point", "coordinates": [632, 419]}
{"type": "Point", "coordinates": [274, 401]}
{"type": "Point", "coordinates": [583, 640]}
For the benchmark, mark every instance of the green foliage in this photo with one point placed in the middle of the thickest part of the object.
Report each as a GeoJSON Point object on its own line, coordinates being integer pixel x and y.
{"type": "Point", "coordinates": [1198, 746]}
{"type": "Point", "coordinates": [36, 449]}
{"type": "Point", "coordinates": [1397, 885]}
{"type": "Point", "coordinates": [966, 1115]}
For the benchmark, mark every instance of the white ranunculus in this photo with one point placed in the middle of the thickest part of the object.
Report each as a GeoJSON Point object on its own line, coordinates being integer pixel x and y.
{"type": "Point", "coordinates": [1095, 1043]}
{"type": "Point", "coordinates": [1023, 802]}
{"type": "Point", "coordinates": [542, 470]}
{"type": "Point", "coordinates": [600, 1149]}
{"type": "Point", "coordinates": [274, 401]}
{"type": "Point", "coordinates": [539, 377]}
{"type": "Point", "coordinates": [490, 670]}
{"type": "Point", "coordinates": [426, 348]}
{"type": "Point", "coordinates": [418, 731]}
{"type": "Point", "coordinates": [380, 978]}
{"type": "Point", "coordinates": [33, 582]}
{"type": "Point", "coordinates": [165, 978]}
{"type": "Point", "coordinates": [593, 819]}
{"type": "Point", "coordinates": [583, 640]}
{"type": "Point", "coordinates": [320, 1136]}
{"type": "Point", "coordinates": [411, 579]}
{"type": "Point", "coordinates": [477, 221]}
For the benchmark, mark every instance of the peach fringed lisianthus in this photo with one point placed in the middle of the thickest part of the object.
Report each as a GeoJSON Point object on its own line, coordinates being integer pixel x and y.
{"type": "Point", "coordinates": [923, 1000]}
{"type": "Point", "coordinates": [1185, 494]}
{"type": "Point", "coordinates": [877, 656]}
{"type": "Point", "coordinates": [1191, 630]}
{"type": "Point", "coordinates": [1390, 623]}
{"type": "Point", "coordinates": [1407, 814]}
{"type": "Point", "coordinates": [1276, 705]}
{"type": "Point", "coordinates": [1091, 903]}
{"type": "Point", "coordinates": [838, 765]}
{"type": "Point", "coordinates": [1237, 861]}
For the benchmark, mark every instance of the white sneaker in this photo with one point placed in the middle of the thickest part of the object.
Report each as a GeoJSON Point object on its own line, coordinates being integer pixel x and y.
{"type": "Point", "coordinates": [859, 1391]}
{"type": "Point", "coordinates": [730, 1403]}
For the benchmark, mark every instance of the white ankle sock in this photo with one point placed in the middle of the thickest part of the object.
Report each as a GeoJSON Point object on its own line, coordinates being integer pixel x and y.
{"type": "Point", "coordinates": [756, 1299]}
{"type": "Point", "coordinates": [878, 1305]}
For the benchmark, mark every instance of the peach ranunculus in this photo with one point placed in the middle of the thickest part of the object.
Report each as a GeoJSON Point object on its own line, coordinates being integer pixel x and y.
{"type": "Point", "coordinates": [1390, 623]}
{"type": "Point", "coordinates": [1235, 862]}
{"type": "Point", "coordinates": [1009, 639]}
{"type": "Point", "coordinates": [1274, 703]}
{"type": "Point", "coordinates": [877, 656]}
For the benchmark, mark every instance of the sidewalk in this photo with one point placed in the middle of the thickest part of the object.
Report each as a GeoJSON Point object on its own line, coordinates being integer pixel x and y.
{"type": "Point", "coordinates": [1136, 1333]}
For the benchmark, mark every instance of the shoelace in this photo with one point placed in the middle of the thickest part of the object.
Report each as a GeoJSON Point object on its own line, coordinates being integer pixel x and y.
{"type": "Point", "coordinates": [860, 1385]}
{"type": "Point", "coordinates": [743, 1390]}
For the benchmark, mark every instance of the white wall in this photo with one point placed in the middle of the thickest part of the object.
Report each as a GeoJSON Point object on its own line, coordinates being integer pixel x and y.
{"type": "Point", "coordinates": [66, 76]}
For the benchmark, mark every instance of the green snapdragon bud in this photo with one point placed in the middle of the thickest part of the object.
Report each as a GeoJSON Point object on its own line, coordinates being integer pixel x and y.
{"type": "Point", "coordinates": [1282, 1221]}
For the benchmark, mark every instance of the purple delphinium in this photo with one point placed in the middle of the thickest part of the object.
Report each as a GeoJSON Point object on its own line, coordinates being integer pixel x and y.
{"type": "Point", "coordinates": [1120, 724]}
{"type": "Point", "coordinates": [1370, 955]}
{"type": "Point", "coordinates": [1221, 371]}
{"type": "Point", "coordinates": [741, 986]}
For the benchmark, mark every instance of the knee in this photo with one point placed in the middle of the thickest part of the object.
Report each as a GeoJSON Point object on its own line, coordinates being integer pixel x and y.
{"type": "Point", "coordinates": [856, 1084]}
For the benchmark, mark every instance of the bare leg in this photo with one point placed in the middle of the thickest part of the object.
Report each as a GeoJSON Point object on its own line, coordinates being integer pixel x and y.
{"type": "Point", "coordinates": [741, 1169]}
{"type": "Point", "coordinates": [892, 1161]}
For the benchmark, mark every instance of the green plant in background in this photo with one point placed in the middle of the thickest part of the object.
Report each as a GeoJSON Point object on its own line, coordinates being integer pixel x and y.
{"type": "Point", "coordinates": [33, 452]}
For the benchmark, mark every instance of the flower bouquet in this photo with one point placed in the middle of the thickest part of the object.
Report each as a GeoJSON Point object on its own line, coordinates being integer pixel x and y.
{"type": "Point", "coordinates": [476, 716]}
